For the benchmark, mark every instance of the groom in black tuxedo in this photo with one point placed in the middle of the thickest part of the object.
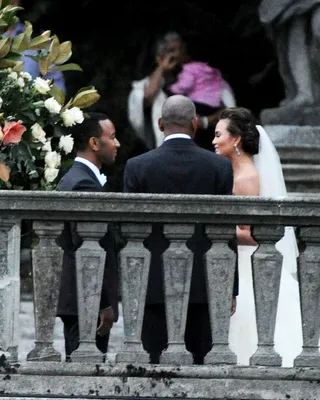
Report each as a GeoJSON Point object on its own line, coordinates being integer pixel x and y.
{"type": "Point", "coordinates": [178, 166]}
{"type": "Point", "coordinates": [95, 144]}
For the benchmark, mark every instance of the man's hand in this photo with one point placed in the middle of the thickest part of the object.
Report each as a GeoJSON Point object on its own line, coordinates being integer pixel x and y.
{"type": "Point", "coordinates": [106, 321]}
{"type": "Point", "coordinates": [167, 62]}
{"type": "Point", "coordinates": [214, 118]}
{"type": "Point", "coordinates": [233, 305]}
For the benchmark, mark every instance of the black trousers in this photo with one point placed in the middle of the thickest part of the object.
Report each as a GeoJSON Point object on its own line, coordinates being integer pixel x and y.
{"type": "Point", "coordinates": [198, 339]}
{"type": "Point", "coordinates": [71, 336]}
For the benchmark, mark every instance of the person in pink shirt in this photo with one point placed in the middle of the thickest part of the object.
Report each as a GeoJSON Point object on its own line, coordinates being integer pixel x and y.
{"type": "Point", "coordinates": [205, 86]}
{"type": "Point", "coordinates": [202, 84]}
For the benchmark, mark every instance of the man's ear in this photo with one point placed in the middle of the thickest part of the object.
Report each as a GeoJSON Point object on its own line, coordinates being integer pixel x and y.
{"type": "Point", "coordinates": [160, 124]}
{"type": "Point", "coordinates": [93, 143]}
{"type": "Point", "coordinates": [195, 123]}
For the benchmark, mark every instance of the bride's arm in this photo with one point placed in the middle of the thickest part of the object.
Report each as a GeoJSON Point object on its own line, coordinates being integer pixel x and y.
{"type": "Point", "coordinates": [244, 236]}
{"type": "Point", "coordinates": [248, 186]}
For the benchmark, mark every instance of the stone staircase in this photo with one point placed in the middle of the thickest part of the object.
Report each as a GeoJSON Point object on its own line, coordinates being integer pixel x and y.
{"type": "Point", "coordinates": [299, 150]}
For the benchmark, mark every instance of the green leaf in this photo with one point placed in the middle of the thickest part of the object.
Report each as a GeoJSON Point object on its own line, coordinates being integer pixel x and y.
{"type": "Point", "coordinates": [58, 131]}
{"type": "Point", "coordinates": [19, 66]}
{"type": "Point", "coordinates": [16, 43]}
{"type": "Point", "coordinates": [46, 34]}
{"type": "Point", "coordinates": [39, 42]}
{"type": "Point", "coordinates": [58, 94]}
{"type": "Point", "coordinates": [65, 52]}
{"type": "Point", "coordinates": [13, 56]}
{"type": "Point", "coordinates": [21, 42]}
{"type": "Point", "coordinates": [6, 63]}
{"type": "Point", "coordinates": [8, 14]}
{"type": "Point", "coordinates": [9, 8]}
{"type": "Point", "coordinates": [21, 152]}
{"type": "Point", "coordinates": [30, 115]}
{"type": "Point", "coordinates": [3, 26]}
{"type": "Point", "coordinates": [33, 174]}
{"type": "Point", "coordinates": [5, 45]}
{"type": "Point", "coordinates": [53, 50]}
{"type": "Point", "coordinates": [43, 65]}
{"type": "Point", "coordinates": [28, 29]}
{"type": "Point", "coordinates": [86, 98]}
{"type": "Point", "coordinates": [66, 67]}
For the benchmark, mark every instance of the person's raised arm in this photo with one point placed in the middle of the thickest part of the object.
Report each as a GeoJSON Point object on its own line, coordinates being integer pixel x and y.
{"type": "Point", "coordinates": [156, 80]}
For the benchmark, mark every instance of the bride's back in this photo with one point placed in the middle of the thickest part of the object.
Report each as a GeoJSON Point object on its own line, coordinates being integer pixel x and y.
{"type": "Point", "coordinates": [246, 180]}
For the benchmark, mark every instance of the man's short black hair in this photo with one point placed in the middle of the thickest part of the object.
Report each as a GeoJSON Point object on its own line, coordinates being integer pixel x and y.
{"type": "Point", "coordinates": [90, 127]}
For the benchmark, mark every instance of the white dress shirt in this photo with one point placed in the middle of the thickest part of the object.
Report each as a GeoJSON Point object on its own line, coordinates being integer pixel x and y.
{"type": "Point", "coordinates": [177, 136]}
{"type": "Point", "coordinates": [101, 177]}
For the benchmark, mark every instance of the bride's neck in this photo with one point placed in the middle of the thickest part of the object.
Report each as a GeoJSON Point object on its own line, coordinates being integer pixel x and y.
{"type": "Point", "coordinates": [240, 162]}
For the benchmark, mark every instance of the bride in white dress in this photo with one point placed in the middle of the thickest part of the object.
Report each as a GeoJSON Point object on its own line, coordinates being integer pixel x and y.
{"type": "Point", "coordinates": [257, 172]}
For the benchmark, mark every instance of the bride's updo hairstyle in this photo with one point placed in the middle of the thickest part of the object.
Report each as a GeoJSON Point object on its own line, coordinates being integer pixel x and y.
{"type": "Point", "coordinates": [242, 123]}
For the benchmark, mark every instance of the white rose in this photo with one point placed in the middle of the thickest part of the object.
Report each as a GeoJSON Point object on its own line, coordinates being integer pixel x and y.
{"type": "Point", "coordinates": [26, 76]}
{"type": "Point", "coordinates": [41, 85]}
{"type": "Point", "coordinates": [52, 159]}
{"type": "Point", "coordinates": [52, 106]}
{"type": "Point", "coordinates": [66, 143]}
{"type": "Point", "coordinates": [20, 82]}
{"type": "Point", "coordinates": [72, 116]}
{"type": "Point", "coordinates": [47, 146]}
{"type": "Point", "coordinates": [1, 102]}
{"type": "Point", "coordinates": [50, 174]}
{"type": "Point", "coordinates": [37, 112]}
{"type": "Point", "coordinates": [38, 134]}
{"type": "Point", "coordinates": [13, 75]}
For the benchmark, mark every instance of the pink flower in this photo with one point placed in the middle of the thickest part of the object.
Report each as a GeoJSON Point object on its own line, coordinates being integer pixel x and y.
{"type": "Point", "coordinates": [12, 132]}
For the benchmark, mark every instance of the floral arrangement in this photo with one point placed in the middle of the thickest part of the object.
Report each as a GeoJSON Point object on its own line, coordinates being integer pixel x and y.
{"type": "Point", "coordinates": [34, 115]}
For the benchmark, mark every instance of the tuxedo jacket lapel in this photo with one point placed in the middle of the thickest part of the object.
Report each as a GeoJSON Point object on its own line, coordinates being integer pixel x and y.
{"type": "Point", "coordinates": [86, 170]}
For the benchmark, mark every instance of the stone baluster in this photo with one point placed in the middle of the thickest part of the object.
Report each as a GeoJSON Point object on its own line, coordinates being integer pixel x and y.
{"type": "Point", "coordinates": [10, 236]}
{"type": "Point", "coordinates": [220, 273]}
{"type": "Point", "coordinates": [266, 274]}
{"type": "Point", "coordinates": [90, 263]}
{"type": "Point", "coordinates": [46, 269]}
{"type": "Point", "coordinates": [309, 280]}
{"type": "Point", "coordinates": [177, 264]}
{"type": "Point", "coordinates": [135, 264]}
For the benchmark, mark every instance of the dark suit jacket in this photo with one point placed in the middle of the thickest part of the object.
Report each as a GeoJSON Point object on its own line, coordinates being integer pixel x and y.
{"type": "Point", "coordinates": [81, 178]}
{"type": "Point", "coordinates": [179, 166]}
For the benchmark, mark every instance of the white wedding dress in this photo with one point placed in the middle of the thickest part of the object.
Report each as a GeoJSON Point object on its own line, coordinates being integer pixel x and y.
{"type": "Point", "coordinates": [288, 332]}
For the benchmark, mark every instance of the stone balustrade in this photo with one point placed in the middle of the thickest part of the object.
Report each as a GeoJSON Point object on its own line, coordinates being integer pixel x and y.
{"type": "Point", "coordinates": [179, 215]}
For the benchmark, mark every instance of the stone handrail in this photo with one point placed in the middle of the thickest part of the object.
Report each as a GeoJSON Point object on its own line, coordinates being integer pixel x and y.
{"type": "Point", "coordinates": [101, 207]}
{"type": "Point", "coordinates": [179, 214]}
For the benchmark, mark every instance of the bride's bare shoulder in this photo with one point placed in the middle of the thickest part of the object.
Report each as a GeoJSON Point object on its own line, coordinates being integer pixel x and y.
{"type": "Point", "coordinates": [247, 184]}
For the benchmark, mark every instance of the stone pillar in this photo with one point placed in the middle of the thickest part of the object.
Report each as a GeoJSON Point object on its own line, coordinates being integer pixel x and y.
{"type": "Point", "coordinates": [135, 264]}
{"type": "Point", "coordinates": [220, 272]}
{"type": "Point", "coordinates": [177, 264]}
{"type": "Point", "coordinates": [266, 274]}
{"type": "Point", "coordinates": [90, 263]}
{"type": "Point", "coordinates": [10, 236]}
{"type": "Point", "coordinates": [46, 267]}
{"type": "Point", "coordinates": [309, 280]}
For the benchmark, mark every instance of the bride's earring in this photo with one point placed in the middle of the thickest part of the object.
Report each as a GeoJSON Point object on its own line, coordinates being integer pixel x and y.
{"type": "Point", "coordinates": [236, 149]}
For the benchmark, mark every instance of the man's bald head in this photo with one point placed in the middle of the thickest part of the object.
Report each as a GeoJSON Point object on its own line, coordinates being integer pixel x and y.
{"type": "Point", "coordinates": [178, 114]}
